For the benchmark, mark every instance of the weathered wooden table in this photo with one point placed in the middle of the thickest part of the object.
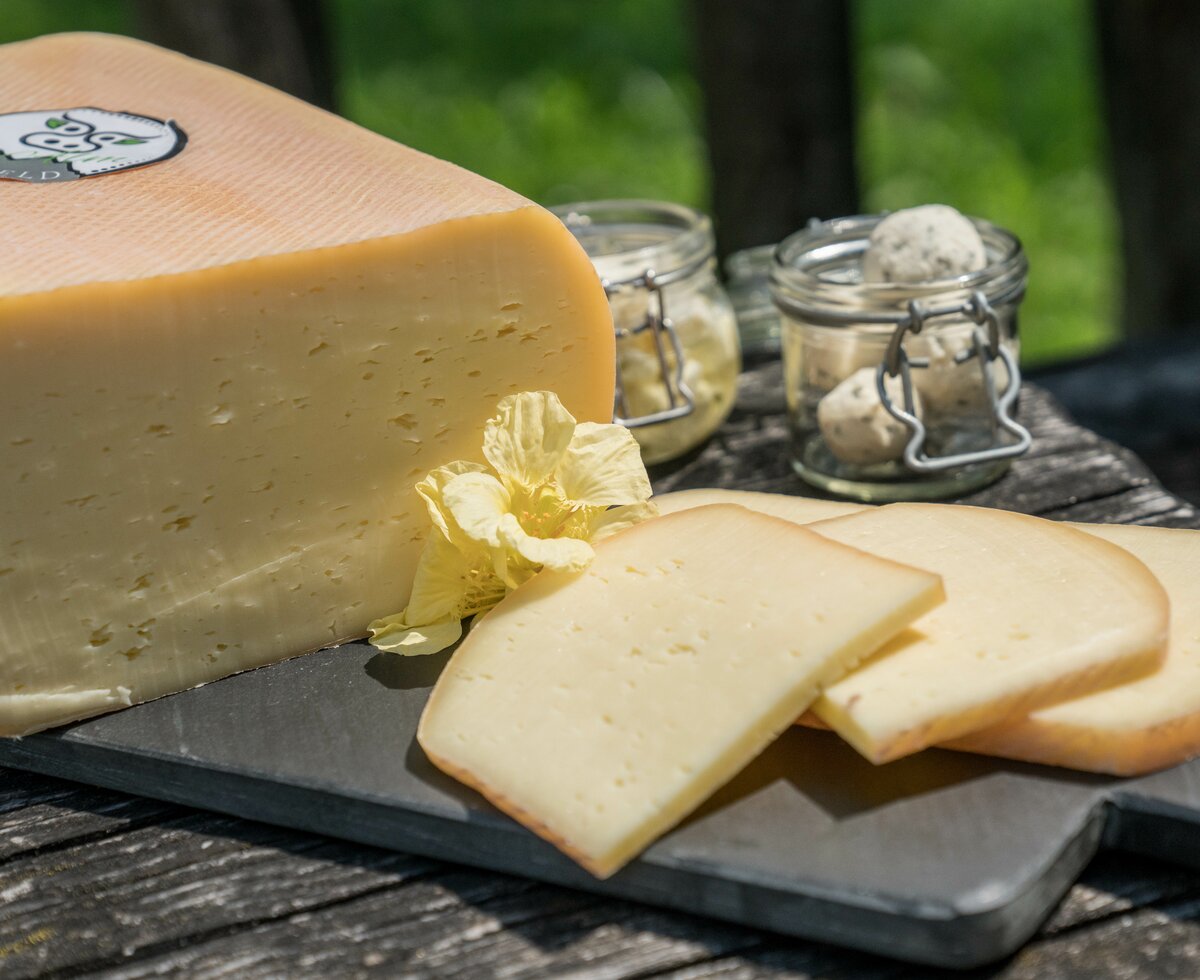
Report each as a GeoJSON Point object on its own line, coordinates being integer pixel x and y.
{"type": "Point", "coordinates": [97, 883]}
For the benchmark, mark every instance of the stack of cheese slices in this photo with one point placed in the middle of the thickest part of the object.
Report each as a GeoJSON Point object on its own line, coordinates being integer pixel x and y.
{"type": "Point", "coordinates": [697, 637]}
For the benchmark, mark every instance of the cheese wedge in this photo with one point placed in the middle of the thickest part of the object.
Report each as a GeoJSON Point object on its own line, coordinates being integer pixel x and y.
{"type": "Point", "coordinates": [1036, 613]}
{"type": "Point", "coordinates": [221, 375]}
{"type": "Point", "coordinates": [599, 709]}
{"type": "Point", "coordinates": [1137, 727]}
{"type": "Point", "coordinates": [798, 510]}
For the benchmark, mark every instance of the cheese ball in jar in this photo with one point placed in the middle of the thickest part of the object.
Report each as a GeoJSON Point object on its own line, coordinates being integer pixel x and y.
{"type": "Point", "coordinates": [900, 350]}
{"type": "Point", "coordinates": [678, 355]}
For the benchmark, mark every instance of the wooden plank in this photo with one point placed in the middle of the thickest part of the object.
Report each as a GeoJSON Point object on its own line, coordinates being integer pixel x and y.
{"type": "Point", "coordinates": [468, 924]}
{"type": "Point", "coordinates": [1117, 883]}
{"type": "Point", "coordinates": [1147, 944]}
{"type": "Point", "coordinates": [809, 962]}
{"type": "Point", "coordinates": [459, 926]}
{"type": "Point", "coordinates": [1053, 482]}
{"type": "Point", "coordinates": [108, 899]}
{"type": "Point", "coordinates": [601, 933]}
{"type": "Point", "coordinates": [37, 812]}
{"type": "Point", "coordinates": [1141, 505]}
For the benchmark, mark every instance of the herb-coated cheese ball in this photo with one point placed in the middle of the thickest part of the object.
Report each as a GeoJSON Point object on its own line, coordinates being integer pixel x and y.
{"type": "Point", "coordinates": [857, 428]}
{"type": "Point", "coordinates": [920, 244]}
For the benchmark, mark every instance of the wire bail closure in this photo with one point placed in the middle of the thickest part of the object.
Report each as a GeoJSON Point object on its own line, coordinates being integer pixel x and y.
{"type": "Point", "coordinates": [985, 346]}
{"type": "Point", "coordinates": [680, 398]}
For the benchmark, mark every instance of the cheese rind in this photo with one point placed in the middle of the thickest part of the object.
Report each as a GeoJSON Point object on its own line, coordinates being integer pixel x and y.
{"type": "Point", "coordinates": [1036, 613]}
{"type": "Point", "coordinates": [262, 173]}
{"type": "Point", "coordinates": [798, 510]}
{"type": "Point", "coordinates": [220, 387]}
{"type": "Point", "coordinates": [1137, 727]}
{"type": "Point", "coordinates": [599, 709]}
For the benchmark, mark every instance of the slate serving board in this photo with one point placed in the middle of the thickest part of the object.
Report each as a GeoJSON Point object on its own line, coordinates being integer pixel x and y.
{"type": "Point", "coordinates": [941, 858]}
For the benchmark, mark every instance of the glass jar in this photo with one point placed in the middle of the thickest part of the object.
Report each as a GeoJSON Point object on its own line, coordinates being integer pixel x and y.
{"type": "Point", "coordinates": [898, 391]}
{"type": "Point", "coordinates": [748, 275]}
{"type": "Point", "coordinates": [678, 357]}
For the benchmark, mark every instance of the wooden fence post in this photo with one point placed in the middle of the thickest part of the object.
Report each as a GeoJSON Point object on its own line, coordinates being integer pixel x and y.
{"type": "Point", "coordinates": [778, 84]}
{"type": "Point", "coordinates": [284, 43]}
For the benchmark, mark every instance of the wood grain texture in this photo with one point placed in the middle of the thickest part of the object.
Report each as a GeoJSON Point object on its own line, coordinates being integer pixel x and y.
{"type": "Point", "coordinates": [38, 815]}
{"type": "Point", "coordinates": [95, 883]}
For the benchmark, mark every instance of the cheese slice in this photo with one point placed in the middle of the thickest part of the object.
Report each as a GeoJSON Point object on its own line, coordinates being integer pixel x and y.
{"type": "Point", "coordinates": [1036, 613]}
{"type": "Point", "coordinates": [1133, 728]}
{"type": "Point", "coordinates": [798, 510]}
{"type": "Point", "coordinates": [1137, 727]}
{"type": "Point", "coordinates": [600, 709]}
{"type": "Point", "coordinates": [221, 375]}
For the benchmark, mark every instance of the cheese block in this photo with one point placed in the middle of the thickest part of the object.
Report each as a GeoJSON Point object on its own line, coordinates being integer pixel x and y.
{"type": "Point", "coordinates": [599, 709]}
{"type": "Point", "coordinates": [798, 510]}
{"type": "Point", "coordinates": [1036, 613]}
{"type": "Point", "coordinates": [222, 373]}
{"type": "Point", "coordinates": [1137, 727]}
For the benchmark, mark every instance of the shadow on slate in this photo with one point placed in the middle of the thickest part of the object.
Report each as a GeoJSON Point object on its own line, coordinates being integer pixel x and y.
{"type": "Point", "coordinates": [941, 858]}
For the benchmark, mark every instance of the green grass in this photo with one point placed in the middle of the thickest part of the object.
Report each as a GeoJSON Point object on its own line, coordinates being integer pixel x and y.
{"type": "Point", "coordinates": [21, 19]}
{"type": "Point", "coordinates": [556, 101]}
{"type": "Point", "coordinates": [989, 106]}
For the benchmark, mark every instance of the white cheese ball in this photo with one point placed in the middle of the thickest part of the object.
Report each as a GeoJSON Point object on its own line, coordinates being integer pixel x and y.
{"type": "Point", "coordinates": [919, 244]}
{"type": "Point", "coordinates": [856, 426]}
{"type": "Point", "coordinates": [949, 391]}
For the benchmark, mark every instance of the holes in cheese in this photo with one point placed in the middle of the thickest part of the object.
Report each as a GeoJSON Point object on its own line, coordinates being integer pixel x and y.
{"type": "Point", "coordinates": [1036, 612]}
{"type": "Point", "coordinates": [221, 375]}
{"type": "Point", "coordinates": [798, 510]}
{"type": "Point", "coordinates": [601, 708]}
{"type": "Point", "coordinates": [1136, 727]}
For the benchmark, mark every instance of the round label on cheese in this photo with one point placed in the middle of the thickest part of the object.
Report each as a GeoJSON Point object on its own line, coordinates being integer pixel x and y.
{"type": "Point", "coordinates": [56, 145]}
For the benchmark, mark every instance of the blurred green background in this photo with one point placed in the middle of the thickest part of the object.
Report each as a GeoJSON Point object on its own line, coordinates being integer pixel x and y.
{"type": "Point", "coordinates": [989, 106]}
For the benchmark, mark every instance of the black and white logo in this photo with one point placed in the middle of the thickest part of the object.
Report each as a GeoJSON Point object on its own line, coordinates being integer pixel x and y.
{"type": "Point", "coordinates": [66, 144]}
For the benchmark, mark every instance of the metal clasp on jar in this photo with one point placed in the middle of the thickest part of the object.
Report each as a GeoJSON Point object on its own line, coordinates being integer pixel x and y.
{"type": "Point", "coordinates": [681, 400]}
{"type": "Point", "coordinates": [986, 347]}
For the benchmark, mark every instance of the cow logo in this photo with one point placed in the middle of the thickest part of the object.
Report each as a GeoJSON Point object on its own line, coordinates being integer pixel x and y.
{"type": "Point", "coordinates": [66, 144]}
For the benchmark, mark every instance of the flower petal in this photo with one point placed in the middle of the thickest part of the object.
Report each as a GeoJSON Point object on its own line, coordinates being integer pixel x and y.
{"type": "Point", "coordinates": [476, 502]}
{"type": "Point", "coordinates": [393, 635]}
{"type": "Point", "coordinates": [602, 466]}
{"type": "Point", "coordinates": [528, 437]}
{"type": "Point", "coordinates": [559, 554]}
{"type": "Point", "coordinates": [431, 489]}
{"type": "Point", "coordinates": [619, 518]}
{"type": "Point", "coordinates": [440, 585]}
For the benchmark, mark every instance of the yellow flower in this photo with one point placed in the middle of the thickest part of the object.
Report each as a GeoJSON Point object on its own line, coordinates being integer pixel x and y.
{"type": "Point", "coordinates": [553, 487]}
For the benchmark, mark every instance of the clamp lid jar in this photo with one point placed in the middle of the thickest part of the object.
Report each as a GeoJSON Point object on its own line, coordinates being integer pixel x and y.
{"type": "Point", "coordinates": [747, 276]}
{"type": "Point", "coordinates": [895, 390]}
{"type": "Point", "coordinates": [677, 342]}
